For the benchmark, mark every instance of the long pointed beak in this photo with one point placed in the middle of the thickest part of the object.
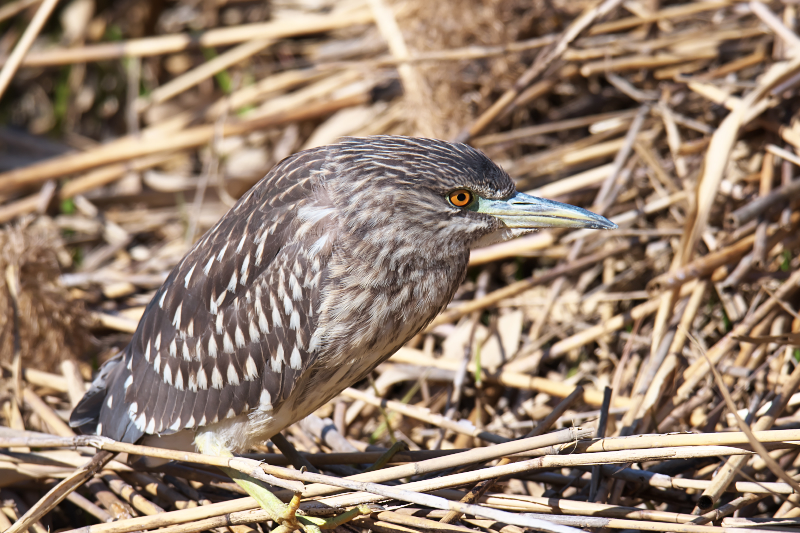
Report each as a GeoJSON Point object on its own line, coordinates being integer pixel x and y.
{"type": "Point", "coordinates": [529, 212]}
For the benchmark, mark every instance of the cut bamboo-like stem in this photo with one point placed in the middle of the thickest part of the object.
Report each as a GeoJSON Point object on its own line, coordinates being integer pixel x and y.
{"type": "Point", "coordinates": [733, 438]}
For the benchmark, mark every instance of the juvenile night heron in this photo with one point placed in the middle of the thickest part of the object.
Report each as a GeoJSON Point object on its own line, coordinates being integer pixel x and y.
{"type": "Point", "coordinates": [319, 273]}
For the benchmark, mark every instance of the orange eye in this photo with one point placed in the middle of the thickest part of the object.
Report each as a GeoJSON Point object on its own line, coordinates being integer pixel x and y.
{"type": "Point", "coordinates": [460, 197]}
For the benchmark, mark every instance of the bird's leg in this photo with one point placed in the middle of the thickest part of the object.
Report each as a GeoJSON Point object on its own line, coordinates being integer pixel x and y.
{"type": "Point", "coordinates": [281, 513]}
{"type": "Point", "coordinates": [285, 515]}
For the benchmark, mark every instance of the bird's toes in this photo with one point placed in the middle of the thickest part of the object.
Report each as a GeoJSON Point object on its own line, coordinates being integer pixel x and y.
{"type": "Point", "coordinates": [287, 518]}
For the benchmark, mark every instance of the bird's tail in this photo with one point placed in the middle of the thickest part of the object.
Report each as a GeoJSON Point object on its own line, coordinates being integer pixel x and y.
{"type": "Point", "coordinates": [102, 410]}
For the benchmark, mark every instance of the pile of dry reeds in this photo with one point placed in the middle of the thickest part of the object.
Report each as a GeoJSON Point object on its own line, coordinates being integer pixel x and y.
{"type": "Point", "coordinates": [641, 379]}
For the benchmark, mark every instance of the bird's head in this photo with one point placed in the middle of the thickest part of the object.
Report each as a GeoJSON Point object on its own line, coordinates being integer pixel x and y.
{"type": "Point", "coordinates": [438, 195]}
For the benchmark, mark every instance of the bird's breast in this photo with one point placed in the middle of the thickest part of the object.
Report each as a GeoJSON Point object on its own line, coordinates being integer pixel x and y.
{"type": "Point", "coordinates": [372, 304]}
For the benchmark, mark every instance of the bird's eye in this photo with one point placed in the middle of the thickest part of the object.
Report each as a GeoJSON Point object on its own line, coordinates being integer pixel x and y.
{"type": "Point", "coordinates": [460, 197]}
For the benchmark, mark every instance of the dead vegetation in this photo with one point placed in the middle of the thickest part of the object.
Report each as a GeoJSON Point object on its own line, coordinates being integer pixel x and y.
{"type": "Point", "coordinates": [39, 317]}
{"type": "Point", "coordinates": [132, 126]}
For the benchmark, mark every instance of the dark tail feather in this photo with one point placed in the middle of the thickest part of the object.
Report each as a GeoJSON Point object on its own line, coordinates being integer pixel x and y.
{"type": "Point", "coordinates": [94, 416]}
{"type": "Point", "coordinates": [86, 414]}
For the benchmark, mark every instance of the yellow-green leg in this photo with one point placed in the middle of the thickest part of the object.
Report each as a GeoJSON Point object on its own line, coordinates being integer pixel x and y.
{"type": "Point", "coordinates": [285, 515]}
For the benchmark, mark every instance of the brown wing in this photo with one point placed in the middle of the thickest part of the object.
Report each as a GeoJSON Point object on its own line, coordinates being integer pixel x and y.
{"type": "Point", "coordinates": [229, 330]}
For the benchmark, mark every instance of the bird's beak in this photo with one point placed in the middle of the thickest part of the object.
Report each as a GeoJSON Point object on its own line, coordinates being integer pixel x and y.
{"type": "Point", "coordinates": [528, 212]}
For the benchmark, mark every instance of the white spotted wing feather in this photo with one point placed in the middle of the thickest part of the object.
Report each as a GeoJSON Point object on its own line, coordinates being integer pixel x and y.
{"type": "Point", "coordinates": [229, 330]}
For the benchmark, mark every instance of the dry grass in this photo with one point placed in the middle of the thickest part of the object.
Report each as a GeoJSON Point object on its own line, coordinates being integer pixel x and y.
{"type": "Point", "coordinates": [39, 319]}
{"type": "Point", "coordinates": [132, 128]}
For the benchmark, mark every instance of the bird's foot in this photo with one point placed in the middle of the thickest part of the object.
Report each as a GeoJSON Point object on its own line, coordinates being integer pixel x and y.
{"type": "Point", "coordinates": [285, 515]}
{"type": "Point", "coordinates": [288, 520]}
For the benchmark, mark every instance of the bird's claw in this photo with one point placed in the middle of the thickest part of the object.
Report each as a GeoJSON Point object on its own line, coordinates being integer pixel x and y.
{"type": "Point", "coordinates": [287, 517]}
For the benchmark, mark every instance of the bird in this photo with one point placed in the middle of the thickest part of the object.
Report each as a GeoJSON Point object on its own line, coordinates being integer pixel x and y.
{"type": "Point", "coordinates": [321, 271]}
